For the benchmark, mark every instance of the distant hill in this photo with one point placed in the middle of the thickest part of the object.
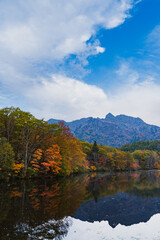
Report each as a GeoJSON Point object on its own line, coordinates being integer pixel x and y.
{"type": "Point", "coordinates": [113, 131]}
{"type": "Point", "coordinates": [142, 145]}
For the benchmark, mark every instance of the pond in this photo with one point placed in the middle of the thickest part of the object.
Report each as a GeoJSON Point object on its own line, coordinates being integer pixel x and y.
{"type": "Point", "coordinates": [97, 206]}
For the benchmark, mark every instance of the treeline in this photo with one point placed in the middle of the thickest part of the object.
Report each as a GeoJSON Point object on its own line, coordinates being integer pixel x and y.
{"type": "Point", "coordinates": [146, 153]}
{"type": "Point", "coordinates": [142, 145]}
{"type": "Point", "coordinates": [102, 158]}
{"type": "Point", "coordinates": [32, 147]}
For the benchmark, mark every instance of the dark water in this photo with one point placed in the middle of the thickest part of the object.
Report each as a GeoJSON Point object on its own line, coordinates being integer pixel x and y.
{"type": "Point", "coordinates": [41, 209]}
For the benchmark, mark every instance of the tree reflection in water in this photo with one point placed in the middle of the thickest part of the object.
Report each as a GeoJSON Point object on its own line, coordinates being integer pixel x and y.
{"type": "Point", "coordinates": [39, 210]}
{"type": "Point", "coordinates": [53, 229]}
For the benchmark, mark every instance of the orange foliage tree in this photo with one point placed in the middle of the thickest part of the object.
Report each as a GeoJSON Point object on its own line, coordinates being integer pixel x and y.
{"type": "Point", "coordinates": [17, 167]}
{"type": "Point", "coordinates": [48, 160]}
{"type": "Point", "coordinates": [37, 156]}
{"type": "Point", "coordinates": [73, 157]}
{"type": "Point", "coordinates": [157, 165]}
{"type": "Point", "coordinates": [52, 159]}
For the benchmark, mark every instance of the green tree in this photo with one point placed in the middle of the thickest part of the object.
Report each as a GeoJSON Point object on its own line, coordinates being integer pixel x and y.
{"type": "Point", "coordinates": [95, 147]}
{"type": "Point", "coordinates": [95, 150]}
{"type": "Point", "coordinates": [6, 158]}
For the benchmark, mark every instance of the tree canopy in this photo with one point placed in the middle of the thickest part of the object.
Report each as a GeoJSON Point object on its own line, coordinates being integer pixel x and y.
{"type": "Point", "coordinates": [30, 147]}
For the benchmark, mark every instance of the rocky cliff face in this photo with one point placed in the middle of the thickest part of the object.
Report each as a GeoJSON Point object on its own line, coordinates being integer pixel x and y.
{"type": "Point", "coordinates": [113, 130]}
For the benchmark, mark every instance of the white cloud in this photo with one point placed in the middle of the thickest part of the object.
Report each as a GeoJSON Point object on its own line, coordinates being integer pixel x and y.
{"type": "Point", "coordinates": [19, 40]}
{"type": "Point", "coordinates": [66, 98]}
{"type": "Point", "coordinates": [100, 49]}
{"type": "Point", "coordinates": [136, 93]}
{"type": "Point", "coordinates": [153, 39]}
{"type": "Point", "coordinates": [69, 99]}
{"type": "Point", "coordinates": [53, 29]}
{"type": "Point", "coordinates": [126, 74]}
{"type": "Point", "coordinates": [138, 100]}
{"type": "Point", "coordinates": [45, 31]}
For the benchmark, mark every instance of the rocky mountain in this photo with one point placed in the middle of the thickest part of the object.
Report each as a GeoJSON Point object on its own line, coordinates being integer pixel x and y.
{"type": "Point", "coordinates": [112, 130]}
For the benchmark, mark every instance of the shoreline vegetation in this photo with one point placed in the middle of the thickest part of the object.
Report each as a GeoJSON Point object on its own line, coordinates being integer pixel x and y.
{"type": "Point", "coordinates": [31, 148]}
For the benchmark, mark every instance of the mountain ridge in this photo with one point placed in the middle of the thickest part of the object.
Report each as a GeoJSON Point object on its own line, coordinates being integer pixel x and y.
{"type": "Point", "coordinates": [113, 131]}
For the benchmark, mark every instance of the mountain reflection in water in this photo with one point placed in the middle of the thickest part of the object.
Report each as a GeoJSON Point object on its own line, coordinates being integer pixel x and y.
{"type": "Point", "coordinates": [50, 210]}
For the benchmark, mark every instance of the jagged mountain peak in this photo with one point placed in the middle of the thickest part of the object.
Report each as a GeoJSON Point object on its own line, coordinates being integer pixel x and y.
{"type": "Point", "coordinates": [109, 116]}
{"type": "Point", "coordinates": [113, 131]}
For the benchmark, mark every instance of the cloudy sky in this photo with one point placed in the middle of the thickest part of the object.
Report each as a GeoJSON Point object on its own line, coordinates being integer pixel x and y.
{"type": "Point", "coordinates": [71, 59]}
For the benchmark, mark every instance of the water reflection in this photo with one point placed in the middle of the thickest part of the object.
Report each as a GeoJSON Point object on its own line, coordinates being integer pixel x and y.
{"type": "Point", "coordinates": [103, 231]}
{"type": "Point", "coordinates": [40, 210]}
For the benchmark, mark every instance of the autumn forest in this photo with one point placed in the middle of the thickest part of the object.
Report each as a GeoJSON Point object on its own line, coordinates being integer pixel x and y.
{"type": "Point", "coordinates": [33, 148]}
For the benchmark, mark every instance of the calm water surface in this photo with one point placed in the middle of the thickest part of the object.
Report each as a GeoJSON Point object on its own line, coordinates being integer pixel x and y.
{"type": "Point", "coordinates": [98, 206]}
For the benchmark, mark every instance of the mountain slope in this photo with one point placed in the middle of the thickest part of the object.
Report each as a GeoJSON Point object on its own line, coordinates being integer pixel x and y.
{"type": "Point", "coordinates": [113, 131]}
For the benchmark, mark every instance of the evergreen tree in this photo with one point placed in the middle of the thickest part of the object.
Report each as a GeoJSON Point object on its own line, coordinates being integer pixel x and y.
{"type": "Point", "coordinates": [95, 147]}
{"type": "Point", "coordinates": [95, 150]}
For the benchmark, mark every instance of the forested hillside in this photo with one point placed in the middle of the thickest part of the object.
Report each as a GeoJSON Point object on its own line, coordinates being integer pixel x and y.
{"type": "Point", "coordinates": [142, 145]}
{"type": "Point", "coordinates": [102, 158]}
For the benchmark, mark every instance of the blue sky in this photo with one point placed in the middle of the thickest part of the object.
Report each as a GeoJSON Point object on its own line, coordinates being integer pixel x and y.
{"type": "Point", "coordinates": [127, 40]}
{"type": "Point", "coordinates": [73, 59]}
